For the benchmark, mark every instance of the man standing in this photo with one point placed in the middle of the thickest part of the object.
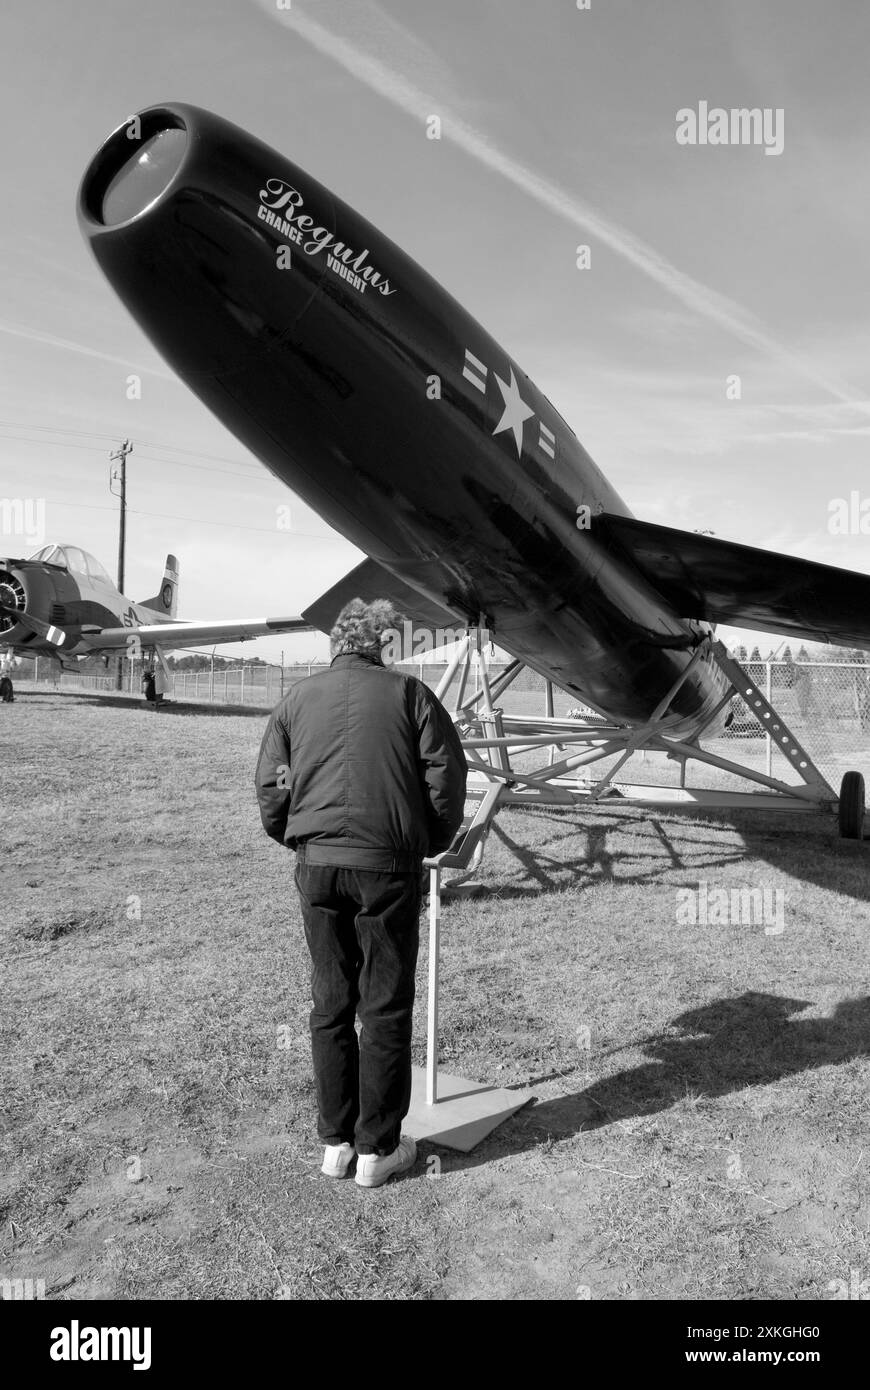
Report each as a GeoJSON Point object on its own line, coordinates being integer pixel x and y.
{"type": "Point", "coordinates": [361, 772]}
{"type": "Point", "coordinates": [160, 685]}
{"type": "Point", "coordinates": [148, 691]}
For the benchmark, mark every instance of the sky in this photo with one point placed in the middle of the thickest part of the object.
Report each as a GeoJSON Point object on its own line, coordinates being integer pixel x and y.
{"type": "Point", "coordinates": [707, 262]}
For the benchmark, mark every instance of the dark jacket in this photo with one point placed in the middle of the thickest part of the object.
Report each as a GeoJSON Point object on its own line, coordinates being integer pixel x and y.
{"type": "Point", "coordinates": [361, 766]}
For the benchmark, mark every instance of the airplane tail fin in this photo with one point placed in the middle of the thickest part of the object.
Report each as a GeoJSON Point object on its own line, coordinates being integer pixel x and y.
{"type": "Point", "coordinates": [165, 601]}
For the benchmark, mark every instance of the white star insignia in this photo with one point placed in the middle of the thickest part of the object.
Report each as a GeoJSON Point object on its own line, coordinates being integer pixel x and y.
{"type": "Point", "coordinates": [515, 410]}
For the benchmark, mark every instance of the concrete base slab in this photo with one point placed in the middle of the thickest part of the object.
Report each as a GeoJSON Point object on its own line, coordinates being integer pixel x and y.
{"type": "Point", "coordinates": [468, 889]}
{"type": "Point", "coordinates": [464, 1113]}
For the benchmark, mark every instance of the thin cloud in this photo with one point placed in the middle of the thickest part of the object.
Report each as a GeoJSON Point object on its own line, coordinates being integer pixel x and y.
{"type": "Point", "coordinates": [416, 101]}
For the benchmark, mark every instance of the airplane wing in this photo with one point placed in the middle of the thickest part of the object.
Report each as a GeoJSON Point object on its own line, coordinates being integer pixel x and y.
{"type": "Point", "coordinates": [702, 577]}
{"type": "Point", "coordinates": [205, 634]}
{"type": "Point", "coordinates": [370, 581]}
{"type": "Point", "coordinates": [720, 581]}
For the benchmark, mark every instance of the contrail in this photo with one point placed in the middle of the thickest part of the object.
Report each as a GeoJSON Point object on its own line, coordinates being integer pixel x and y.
{"type": "Point", "coordinates": [417, 102]}
{"type": "Point", "coordinates": [33, 335]}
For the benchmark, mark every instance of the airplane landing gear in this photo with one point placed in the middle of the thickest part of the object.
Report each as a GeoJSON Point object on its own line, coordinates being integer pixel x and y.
{"type": "Point", "coordinates": [851, 807]}
{"type": "Point", "coordinates": [7, 694]}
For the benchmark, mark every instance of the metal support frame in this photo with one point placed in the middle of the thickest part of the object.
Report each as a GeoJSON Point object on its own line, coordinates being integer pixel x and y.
{"type": "Point", "coordinates": [447, 1109]}
{"type": "Point", "coordinates": [492, 740]}
{"type": "Point", "coordinates": [465, 855]}
{"type": "Point", "coordinates": [458, 1113]}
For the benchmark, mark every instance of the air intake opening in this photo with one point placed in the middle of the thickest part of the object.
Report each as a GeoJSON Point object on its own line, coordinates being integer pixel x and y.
{"type": "Point", "coordinates": [136, 164]}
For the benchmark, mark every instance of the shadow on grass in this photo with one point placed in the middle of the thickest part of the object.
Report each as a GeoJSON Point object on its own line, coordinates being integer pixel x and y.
{"type": "Point", "coordinates": [807, 845]}
{"type": "Point", "coordinates": [725, 1046]}
{"type": "Point", "coordinates": [171, 707]}
{"type": "Point", "coordinates": [134, 704]}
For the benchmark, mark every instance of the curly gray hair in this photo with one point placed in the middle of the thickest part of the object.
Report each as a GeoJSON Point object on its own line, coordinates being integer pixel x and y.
{"type": "Point", "coordinates": [362, 627]}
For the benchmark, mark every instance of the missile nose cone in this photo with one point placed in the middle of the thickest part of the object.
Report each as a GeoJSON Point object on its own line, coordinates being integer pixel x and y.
{"type": "Point", "coordinates": [133, 168]}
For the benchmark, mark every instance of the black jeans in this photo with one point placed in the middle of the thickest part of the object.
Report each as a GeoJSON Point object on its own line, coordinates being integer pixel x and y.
{"type": "Point", "coordinates": [362, 930]}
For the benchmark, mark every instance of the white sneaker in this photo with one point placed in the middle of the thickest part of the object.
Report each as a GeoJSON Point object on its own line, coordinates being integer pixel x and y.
{"type": "Point", "coordinates": [374, 1169]}
{"type": "Point", "coordinates": [337, 1159]}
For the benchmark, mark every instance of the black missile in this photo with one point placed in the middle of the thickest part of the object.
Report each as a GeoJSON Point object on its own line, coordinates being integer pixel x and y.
{"type": "Point", "coordinates": [363, 385]}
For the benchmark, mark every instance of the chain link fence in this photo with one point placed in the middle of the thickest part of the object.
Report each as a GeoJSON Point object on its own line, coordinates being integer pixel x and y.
{"type": "Point", "coordinates": [826, 704]}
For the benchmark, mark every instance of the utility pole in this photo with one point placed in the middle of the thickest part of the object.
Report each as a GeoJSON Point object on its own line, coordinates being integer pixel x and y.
{"type": "Point", "coordinates": [119, 475]}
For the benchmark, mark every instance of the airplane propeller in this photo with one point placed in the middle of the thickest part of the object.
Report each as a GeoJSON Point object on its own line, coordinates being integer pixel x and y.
{"type": "Point", "coordinates": [55, 635]}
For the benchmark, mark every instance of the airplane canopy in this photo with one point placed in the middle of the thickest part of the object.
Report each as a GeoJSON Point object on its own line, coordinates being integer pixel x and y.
{"type": "Point", "coordinates": [74, 559]}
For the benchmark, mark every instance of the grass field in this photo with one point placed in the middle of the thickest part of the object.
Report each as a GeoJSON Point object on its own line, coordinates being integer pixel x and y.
{"type": "Point", "coordinates": [699, 1124]}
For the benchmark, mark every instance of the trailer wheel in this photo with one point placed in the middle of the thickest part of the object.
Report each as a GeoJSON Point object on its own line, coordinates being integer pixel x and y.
{"type": "Point", "coordinates": [851, 808]}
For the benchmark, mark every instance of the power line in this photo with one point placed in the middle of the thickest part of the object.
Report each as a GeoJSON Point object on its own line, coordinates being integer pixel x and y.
{"type": "Point", "coordinates": [205, 521]}
{"type": "Point", "coordinates": [255, 468]}
{"type": "Point", "coordinates": [58, 443]}
{"type": "Point", "coordinates": [164, 516]}
{"type": "Point", "coordinates": [203, 467]}
{"type": "Point", "coordinates": [179, 463]}
{"type": "Point", "coordinates": [266, 530]}
{"type": "Point", "coordinates": [96, 434]}
{"type": "Point", "coordinates": [52, 429]}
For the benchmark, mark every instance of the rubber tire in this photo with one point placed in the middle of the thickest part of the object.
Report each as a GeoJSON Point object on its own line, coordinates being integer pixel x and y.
{"type": "Point", "coordinates": [851, 807]}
